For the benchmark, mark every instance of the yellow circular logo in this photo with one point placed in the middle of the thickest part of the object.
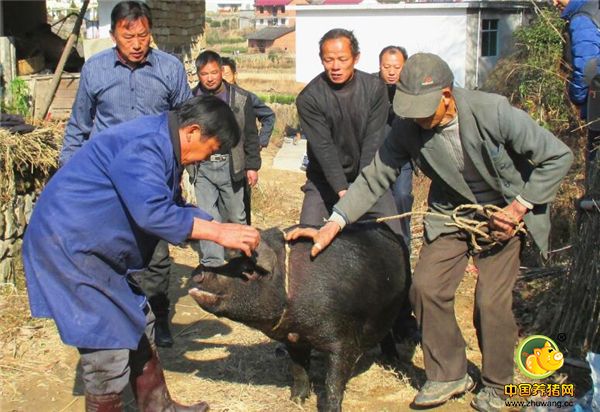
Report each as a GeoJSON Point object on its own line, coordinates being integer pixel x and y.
{"type": "Point", "coordinates": [538, 357]}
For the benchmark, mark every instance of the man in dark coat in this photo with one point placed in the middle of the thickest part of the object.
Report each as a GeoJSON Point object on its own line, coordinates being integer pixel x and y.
{"type": "Point", "coordinates": [98, 221]}
{"type": "Point", "coordinates": [343, 113]}
{"type": "Point", "coordinates": [264, 115]}
{"type": "Point", "coordinates": [219, 180]}
{"type": "Point", "coordinates": [391, 61]}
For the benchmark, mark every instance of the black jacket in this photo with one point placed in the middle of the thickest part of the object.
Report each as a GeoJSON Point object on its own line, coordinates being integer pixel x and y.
{"type": "Point", "coordinates": [344, 126]}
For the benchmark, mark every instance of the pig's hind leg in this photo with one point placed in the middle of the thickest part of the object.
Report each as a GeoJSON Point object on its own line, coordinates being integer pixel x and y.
{"type": "Point", "coordinates": [339, 370]}
{"type": "Point", "coordinates": [300, 357]}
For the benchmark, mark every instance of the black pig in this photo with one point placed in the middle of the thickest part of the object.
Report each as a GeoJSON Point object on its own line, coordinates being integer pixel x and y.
{"type": "Point", "coordinates": [341, 303]}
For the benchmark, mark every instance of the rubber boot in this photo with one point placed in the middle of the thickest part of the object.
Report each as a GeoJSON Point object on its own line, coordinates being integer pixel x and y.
{"type": "Point", "coordinates": [151, 393]}
{"type": "Point", "coordinates": [159, 304]}
{"type": "Point", "coordinates": [162, 333]}
{"type": "Point", "coordinates": [111, 402]}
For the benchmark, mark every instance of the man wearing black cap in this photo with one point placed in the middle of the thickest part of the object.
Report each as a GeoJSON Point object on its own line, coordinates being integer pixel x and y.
{"type": "Point", "coordinates": [477, 149]}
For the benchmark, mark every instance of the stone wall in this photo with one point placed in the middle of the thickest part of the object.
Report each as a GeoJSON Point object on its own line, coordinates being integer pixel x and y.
{"type": "Point", "coordinates": [178, 26]}
{"type": "Point", "coordinates": [14, 216]}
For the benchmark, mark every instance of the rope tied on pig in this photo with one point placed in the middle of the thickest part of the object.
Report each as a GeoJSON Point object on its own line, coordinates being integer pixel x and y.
{"type": "Point", "coordinates": [286, 271]}
{"type": "Point", "coordinates": [478, 230]}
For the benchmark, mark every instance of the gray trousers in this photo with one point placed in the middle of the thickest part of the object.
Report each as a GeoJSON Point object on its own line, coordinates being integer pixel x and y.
{"type": "Point", "coordinates": [319, 199]}
{"type": "Point", "coordinates": [220, 197]}
{"type": "Point", "coordinates": [438, 273]}
{"type": "Point", "coordinates": [107, 371]}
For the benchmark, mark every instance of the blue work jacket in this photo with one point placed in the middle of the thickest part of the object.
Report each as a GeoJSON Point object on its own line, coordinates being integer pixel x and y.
{"type": "Point", "coordinates": [97, 221]}
{"type": "Point", "coordinates": [585, 45]}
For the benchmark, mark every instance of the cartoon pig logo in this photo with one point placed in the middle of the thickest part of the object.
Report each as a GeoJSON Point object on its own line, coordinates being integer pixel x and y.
{"type": "Point", "coordinates": [538, 357]}
{"type": "Point", "coordinates": [544, 360]}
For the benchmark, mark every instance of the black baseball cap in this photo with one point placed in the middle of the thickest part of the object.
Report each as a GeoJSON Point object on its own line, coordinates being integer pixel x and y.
{"type": "Point", "coordinates": [419, 90]}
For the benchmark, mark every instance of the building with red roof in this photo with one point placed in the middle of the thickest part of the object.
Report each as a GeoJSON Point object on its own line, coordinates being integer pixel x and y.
{"type": "Point", "coordinates": [275, 12]}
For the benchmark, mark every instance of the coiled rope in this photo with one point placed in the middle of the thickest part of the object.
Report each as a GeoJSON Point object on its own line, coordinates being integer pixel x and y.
{"type": "Point", "coordinates": [478, 230]}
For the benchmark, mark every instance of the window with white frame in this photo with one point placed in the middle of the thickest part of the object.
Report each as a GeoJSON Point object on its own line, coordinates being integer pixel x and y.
{"type": "Point", "coordinates": [489, 37]}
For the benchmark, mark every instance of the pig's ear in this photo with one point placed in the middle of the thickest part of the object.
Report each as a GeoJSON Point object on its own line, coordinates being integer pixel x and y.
{"type": "Point", "coordinates": [266, 259]}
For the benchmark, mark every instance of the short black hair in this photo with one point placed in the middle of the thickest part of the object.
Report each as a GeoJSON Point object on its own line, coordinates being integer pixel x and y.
{"type": "Point", "coordinates": [339, 34]}
{"type": "Point", "coordinates": [130, 11]}
{"type": "Point", "coordinates": [206, 57]}
{"type": "Point", "coordinates": [214, 117]}
{"type": "Point", "coordinates": [228, 61]}
{"type": "Point", "coordinates": [393, 50]}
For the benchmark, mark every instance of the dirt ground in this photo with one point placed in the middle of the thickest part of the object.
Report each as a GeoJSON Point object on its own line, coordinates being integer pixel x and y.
{"type": "Point", "coordinates": [229, 365]}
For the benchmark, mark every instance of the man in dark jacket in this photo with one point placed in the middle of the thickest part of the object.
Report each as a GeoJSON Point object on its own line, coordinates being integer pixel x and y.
{"type": "Point", "coordinates": [343, 113]}
{"type": "Point", "coordinates": [264, 115]}
{"type": "Point", "coordinates": [219, 180]}
{"type": "Point", "coordinates": [391, 61]}
{"type": "Point", "coordinates": [477, 149]}
{"type": "Point", "coordinates": [98, 221]}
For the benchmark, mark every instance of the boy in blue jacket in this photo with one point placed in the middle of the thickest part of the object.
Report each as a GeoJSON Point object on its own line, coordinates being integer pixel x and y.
{"type": "Point", "coordinates": [583, 17]}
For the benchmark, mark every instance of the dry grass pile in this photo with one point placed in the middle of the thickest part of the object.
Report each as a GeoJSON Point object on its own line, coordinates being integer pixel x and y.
{"type": "Point", "coordinates": [273, 203]}
{"type": "Point", "coordinates": [287, 115]}
{"type": "Point", "coordinates": [270, 82]}
{"type": "Point", "coordinates": [28, 159]}
{"type": "Point", "coordinates": [27, 162]}
{"type": "Point", "coordinates": [262, 61]}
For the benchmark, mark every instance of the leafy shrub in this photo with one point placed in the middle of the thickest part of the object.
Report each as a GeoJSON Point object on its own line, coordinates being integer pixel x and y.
{"type": "Point", "coordinates": [277, 98]}
{"type": "Point", "coordinates": [534, 77]}
{"type": "Point", "coordinates": [18, 100]}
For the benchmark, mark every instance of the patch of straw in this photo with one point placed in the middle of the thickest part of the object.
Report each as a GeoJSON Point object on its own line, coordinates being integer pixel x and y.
{"type": "Point", "coordinates": [28, 159]}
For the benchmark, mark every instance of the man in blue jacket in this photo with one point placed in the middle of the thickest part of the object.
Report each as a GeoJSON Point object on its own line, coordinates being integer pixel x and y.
{"type": "Point", "coordinates": [119, 84]}
{"type": "Point", "coordinates": [583, 18]}
{"type": "Point", "coordinates": [98, 221]}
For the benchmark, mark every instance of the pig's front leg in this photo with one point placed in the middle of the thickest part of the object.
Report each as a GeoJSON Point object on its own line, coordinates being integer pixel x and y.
{"type": "Point", "coordinates": [339, 371]}
{"type": "Point", "coordinates": [300, 356]}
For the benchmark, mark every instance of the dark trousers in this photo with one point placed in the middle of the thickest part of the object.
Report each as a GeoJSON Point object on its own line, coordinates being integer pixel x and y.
{"type": "Point", "coordinates": [319, 199]}
{"type": "Point", "coordinates": [403, 197]}
{"type": "Point", "coordinates": [154, 281]}
{"type": "Point", "coordinates": [247, 201]}
{"type": "Point", "coordinates": [108, 371]}
{"type": "Point", "coordinates": [438, 273]}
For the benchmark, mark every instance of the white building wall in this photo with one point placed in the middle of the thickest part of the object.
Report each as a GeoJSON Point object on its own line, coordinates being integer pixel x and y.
{"type": "Point", "coordinates": [507, 24]}
{"type": "Point", "coordinates": [104, 9]}
{"type": "Point", "coordinates": [439, 30]}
